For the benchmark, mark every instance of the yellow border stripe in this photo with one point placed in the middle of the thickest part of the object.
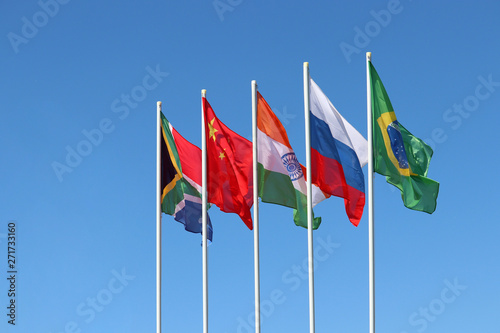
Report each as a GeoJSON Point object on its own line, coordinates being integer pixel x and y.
{"type": "Point", "coordinates": [178, 176]}
{"type": "Point", "coordinates": [383, 121]}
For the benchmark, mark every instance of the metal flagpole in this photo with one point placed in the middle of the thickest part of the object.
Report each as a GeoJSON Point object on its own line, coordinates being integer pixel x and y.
{"type": "Point", "coordinates": [371, 222]}
{"type": "Point", "coordinates": [158, 217]}
{"type": "Point", "coordinates": [255, 209]}
{"type": "Point", "coordinates": [310, 254]}
{"type": "Point", "coordinates": [204, 213]}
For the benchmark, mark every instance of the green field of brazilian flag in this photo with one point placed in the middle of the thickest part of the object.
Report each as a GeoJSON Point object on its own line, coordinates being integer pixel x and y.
{"type": "Point", "coordinates": [397, 154]}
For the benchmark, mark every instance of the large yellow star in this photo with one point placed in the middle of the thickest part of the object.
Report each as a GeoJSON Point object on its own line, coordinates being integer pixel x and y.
{"type": "Point", "coordinates": [212, 129]}
{"type": "Point", "coordinates": [221, 156]}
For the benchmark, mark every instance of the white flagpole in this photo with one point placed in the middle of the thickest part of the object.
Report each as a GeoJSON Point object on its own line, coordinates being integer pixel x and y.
{"type": "Point", "coordinates": [371, 222]}
{"type": "Point", "coordinates": [158, 217]}
{"type": "Point", "coordinates": [310, 253]}
{"type": "Point", "coordinates": [204, 214]}
{"type": "Point", "coordinates": [255, 209]}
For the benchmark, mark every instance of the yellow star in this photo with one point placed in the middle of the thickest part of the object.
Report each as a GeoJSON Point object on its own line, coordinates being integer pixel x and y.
{"type": "Point", "coordinates": [221, 156]}
{"type": "Point", "coordinates": [212, 129]}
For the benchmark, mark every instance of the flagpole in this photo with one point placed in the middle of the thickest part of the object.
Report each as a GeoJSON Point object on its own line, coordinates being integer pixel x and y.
{"type": "Point", "coordinates": [204, 213]}
{"type": "Point", "coordinates": [158, 217]}
{"type": "Point", "coordinates": [255, 209]}
{"type": "Point", "coordinates": [310, 254]}
{"type": "Point", "coordinates": [371, 222]}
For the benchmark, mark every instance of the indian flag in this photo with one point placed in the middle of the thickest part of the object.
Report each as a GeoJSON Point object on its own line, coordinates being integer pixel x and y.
{"type": "Point", "coordinates": [281, 176]}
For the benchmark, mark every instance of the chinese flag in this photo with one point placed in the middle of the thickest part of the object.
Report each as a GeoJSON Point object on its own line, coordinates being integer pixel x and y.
{"type": "Point", "coordinates": [229, 167]}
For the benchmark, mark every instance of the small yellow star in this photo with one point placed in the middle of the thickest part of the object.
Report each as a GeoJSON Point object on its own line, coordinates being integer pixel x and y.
{"type": "Point", "coordinates": [221, 156]}
{"type": "Point", "coordinates": [212, 129]}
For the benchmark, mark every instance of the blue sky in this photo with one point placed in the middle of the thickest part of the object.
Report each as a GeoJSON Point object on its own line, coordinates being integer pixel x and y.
{"type": "Point", "coordinates": [85, 77]}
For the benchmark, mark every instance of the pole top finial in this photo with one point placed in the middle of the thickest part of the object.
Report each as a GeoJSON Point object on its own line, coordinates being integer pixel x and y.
{"type": "Point", "coordinates": [369, 55]}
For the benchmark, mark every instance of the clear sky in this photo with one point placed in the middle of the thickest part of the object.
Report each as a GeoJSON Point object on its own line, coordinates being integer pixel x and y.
{"type": "Point", "coordinates": [80, 81]}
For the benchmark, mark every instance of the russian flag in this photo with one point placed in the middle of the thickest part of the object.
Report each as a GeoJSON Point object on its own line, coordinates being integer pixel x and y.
{"type": "Point", "coordinates": [338, 152]}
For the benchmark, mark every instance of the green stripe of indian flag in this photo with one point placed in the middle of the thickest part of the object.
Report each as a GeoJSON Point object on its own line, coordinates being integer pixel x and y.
{"type": "Point", "coordinates": [269, 157]}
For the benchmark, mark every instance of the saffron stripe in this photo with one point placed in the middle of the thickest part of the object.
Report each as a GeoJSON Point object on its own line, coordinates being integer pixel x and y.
{"type": "Point", "coordinates": [269, 124]}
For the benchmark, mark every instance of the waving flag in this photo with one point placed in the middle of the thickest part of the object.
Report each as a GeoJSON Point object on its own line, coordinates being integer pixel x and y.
{"type": "Point", "coordinates": [338, 152]}
{"type": "Point", "coordinates": [281, 177]}
{"type": "Point", "coordinates": [229, 168]}
{"type": "Point", "coordinates": [401, 157]}
{"type": "Point", "coordinates": [181, 179]}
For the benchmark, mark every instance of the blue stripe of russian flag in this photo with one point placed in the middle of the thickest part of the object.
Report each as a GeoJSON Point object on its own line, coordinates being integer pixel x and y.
{"type": "Point", "coordinates": [327, 146]}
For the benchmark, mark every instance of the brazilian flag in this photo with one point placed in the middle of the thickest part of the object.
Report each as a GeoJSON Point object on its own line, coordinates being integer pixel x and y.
{"type": "Point", "coordinates": [397, 154]}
